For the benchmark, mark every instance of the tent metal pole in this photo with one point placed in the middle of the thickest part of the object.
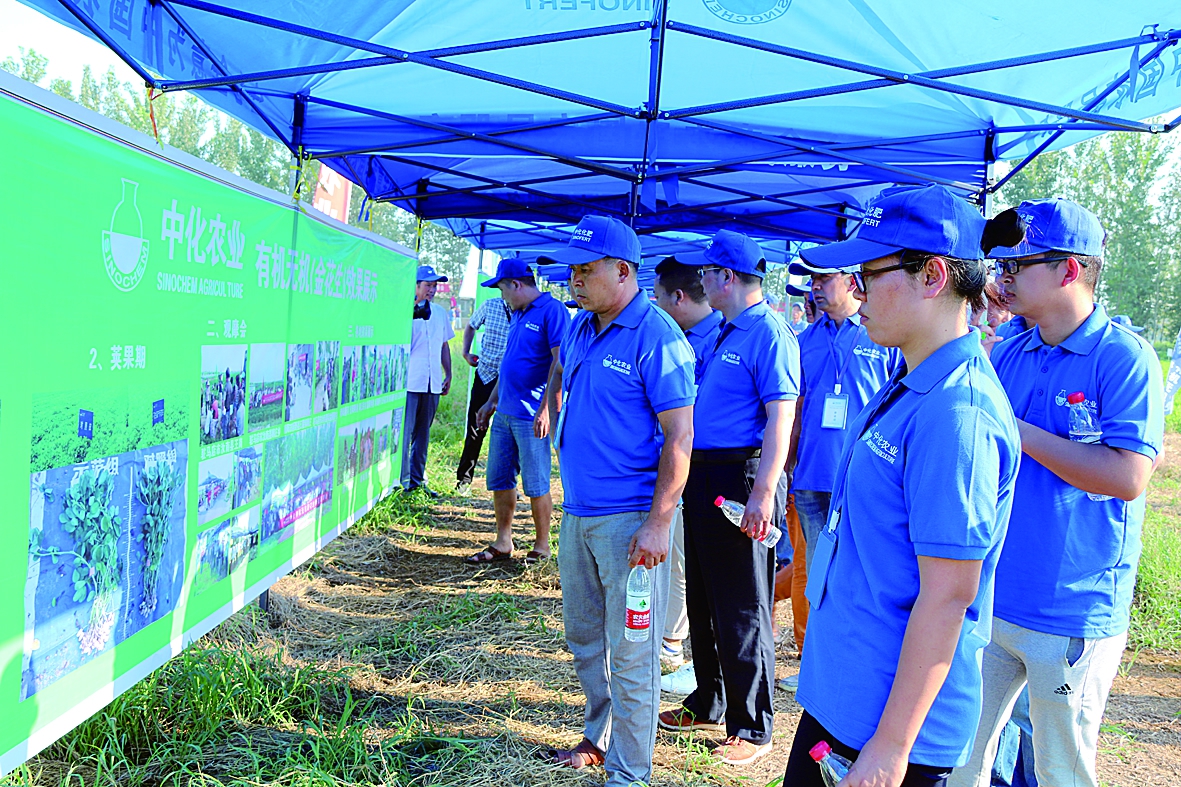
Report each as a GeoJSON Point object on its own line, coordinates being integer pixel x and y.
{"type": "Point", "coordinates": [751, 196]}
{"type": "Point", "coordinates": [412, 57]}
{"type": "Point", "coordinates": [987, 197]}
{"type": "Point", "coordinates": [580, 163]}
{"type": "Point", "coordinates": [1050, 140]}
{"type": "Point", "coordinates": [101, 35]}
{"type": "Point", "coordinates": [829, 151]}
{"type": "Point", "coordinates": [926, 80]}
{"type": "Point", "coordinates": [479, 189]}
{"type": "Point", "coordinates": [200, 44]}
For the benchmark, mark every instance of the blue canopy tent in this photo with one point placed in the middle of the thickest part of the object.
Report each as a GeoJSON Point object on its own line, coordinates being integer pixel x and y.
{"type": "Point", "coordinates": [507, 120]}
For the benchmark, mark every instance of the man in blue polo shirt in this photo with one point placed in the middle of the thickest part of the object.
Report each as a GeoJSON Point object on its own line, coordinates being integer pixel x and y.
{"type": "Point", "coordinates": [841, 369]}
{"type": "Point", "coordinates": [1065, 578]}
{"type": "Point", "coordinates": [623, 436]}
{"type": "Point", "coordinates": [747, 383]}
{"type": "Point", "coordinates": [520, 429]}
{"type": "Point", "coordinates": [679, 292]}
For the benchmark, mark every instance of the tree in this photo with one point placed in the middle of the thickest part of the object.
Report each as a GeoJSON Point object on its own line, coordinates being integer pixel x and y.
{"type": "Point", "coordinates": [1130, 181]}
{"type": "Point", "coordinates": [32, 67]}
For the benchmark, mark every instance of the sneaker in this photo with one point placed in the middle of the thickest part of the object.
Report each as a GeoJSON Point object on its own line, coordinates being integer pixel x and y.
{"type": "Point", "coordinates": [681, 720]}
{"type": "Point", "coordinates": [683, 681]}
{"type": "Point", "coordinates": [736, 751]}
{"type": "Point", "coordinates": [463, 489]}
{"type": "Point", "coordinates": [790, 683]}
{"type": "Point", "coordinates": [671, 656]}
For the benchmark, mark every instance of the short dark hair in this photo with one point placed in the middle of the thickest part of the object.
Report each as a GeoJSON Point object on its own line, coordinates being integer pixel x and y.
{"type": "Point", "coordinates": [1008, 229]}
{"type": "Point", "coordinates": [528, 281]}
{"type": "Point", "coordinates": [751, 279]}
{"type": "Point", "coordinates": [674, 275]}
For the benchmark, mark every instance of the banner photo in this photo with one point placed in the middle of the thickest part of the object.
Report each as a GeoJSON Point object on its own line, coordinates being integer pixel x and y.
{"type": "Point", "coordinates": [204, 385]}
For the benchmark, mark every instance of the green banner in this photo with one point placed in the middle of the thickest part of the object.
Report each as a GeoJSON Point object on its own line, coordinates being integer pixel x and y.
{"type": "Point", "coordinates": [205, 385]}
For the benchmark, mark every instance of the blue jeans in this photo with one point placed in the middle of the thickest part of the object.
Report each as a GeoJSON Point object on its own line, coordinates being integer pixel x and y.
{"type": "Point", "coordinates": [620, 678]}
{"type": "Point", "coordinates": [512, 448]}
{"type": "Point", "coordinates": [1013, 766]}
{"type": "Point", "coordinates": [812, 508]}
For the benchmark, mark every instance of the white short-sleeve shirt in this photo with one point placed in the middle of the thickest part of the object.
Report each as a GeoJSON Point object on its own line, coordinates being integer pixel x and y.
{"type": "Point", "coordinates": [427, 338]}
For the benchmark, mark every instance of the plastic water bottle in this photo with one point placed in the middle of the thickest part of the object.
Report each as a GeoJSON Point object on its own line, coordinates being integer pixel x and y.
{"type": "Point", "coordinates": [1083, 428]}
{"type": "Point", "coordinates": [833, 766]}
{"type": "Point", "coordinates": [734, 511]}
{"type": "Point", "coordinates": [638, 623]}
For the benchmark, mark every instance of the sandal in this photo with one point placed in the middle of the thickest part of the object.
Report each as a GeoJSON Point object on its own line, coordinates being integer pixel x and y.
{"type": "Point", "coordinates": [581, 756]}
{"type": "Point", "coordinates": [488, 554]}
{"type": "Point", "coordinates": [535, 557]}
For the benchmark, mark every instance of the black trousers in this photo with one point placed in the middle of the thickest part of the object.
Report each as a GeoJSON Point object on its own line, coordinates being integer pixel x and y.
{"type": "Point", "coordinates": [802, 771]}
{"type": "Point", "coordinates": [729, 584]}
{"type": "Point", "coordinates": [473, 438]}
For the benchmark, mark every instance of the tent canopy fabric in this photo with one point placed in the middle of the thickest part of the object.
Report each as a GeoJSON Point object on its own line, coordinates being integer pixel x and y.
{"type": "Point", "coordinates": [508, 120]}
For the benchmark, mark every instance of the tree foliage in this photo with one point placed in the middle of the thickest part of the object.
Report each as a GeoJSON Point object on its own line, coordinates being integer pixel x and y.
{"type": "Point", "coordinates": [1131, 181]}
{"type": "Point", "coordinates": [189, 124]}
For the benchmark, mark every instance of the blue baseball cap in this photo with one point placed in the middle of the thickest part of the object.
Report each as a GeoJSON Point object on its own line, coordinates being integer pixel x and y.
{"type": "Point", "coordinates": [1056, 225]}
{"type": "Point", "coordinates": [427, 273]}
{"type": "Point", "coordinates": [728, 249]}
{"type": "Point", "coordinates": [800, 292]}
{"type": "Point", "coordinates": [1125, 321]}
{"type": "Point", "coordinates": [509, 268]}
{"type": "Point", "coordinates": [597, 237]}
{"type": "Point", "coordinates": [801, 267]}
{"type": "Point", "coordinates": [930, 219]}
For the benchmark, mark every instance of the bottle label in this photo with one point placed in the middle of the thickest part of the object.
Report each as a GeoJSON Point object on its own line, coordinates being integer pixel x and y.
{"type": "Point", "coordinates": [639, 613]}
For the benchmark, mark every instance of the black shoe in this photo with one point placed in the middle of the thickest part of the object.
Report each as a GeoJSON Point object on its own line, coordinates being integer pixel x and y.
{"type": "Point", "coordinates": [432, 494]}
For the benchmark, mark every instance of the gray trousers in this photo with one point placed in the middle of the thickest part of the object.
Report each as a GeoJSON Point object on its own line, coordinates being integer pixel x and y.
{"type": "Point", "coordinates": [1069, 679]}
{"type": "Point", "coordinates": [420, 414]}
{"type": "Point", "coordinates": [621, 679]}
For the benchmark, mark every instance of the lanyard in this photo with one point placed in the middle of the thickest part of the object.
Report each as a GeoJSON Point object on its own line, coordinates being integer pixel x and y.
{"type": "Point", "coordinates": [832, 351]}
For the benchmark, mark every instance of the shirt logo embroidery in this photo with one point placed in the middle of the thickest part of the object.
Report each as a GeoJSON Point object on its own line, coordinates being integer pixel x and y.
{"type": "Point", "coordinates": [729, 356]}
{"type": "Point", "coordinates": [623, 367]}
{"type": "Point", "coordinates": [533, 327]}
{"type": "Point", "coordinates": [872, 353]}
{"type": "Point", "coordinates": [1060, 400]}
{"type": "Point", "coordinates": [878, 443]}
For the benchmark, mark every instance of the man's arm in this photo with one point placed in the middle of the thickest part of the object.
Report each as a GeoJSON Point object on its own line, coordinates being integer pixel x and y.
{"type": "Point", "coordinates": [446, 359]}
{"type": "Point", "coordinates": [553, 392]}
{"type": "Point", "coordinates": [793, 443]}
{"type": "Point", "coordinates": [649, 546]}
{"type": "Point", "coordinates": [469, 335]}
{"type": "Point", "coordinates": [541, 421]}
{"type": "Point", "coordinates": [484, 414]}
{"type": "Point", "coordinates": [946, 589]}
{"type": "Point", "coordinates": [756, 522]}
{"type": "Point", "coordinates": [1099, 469]}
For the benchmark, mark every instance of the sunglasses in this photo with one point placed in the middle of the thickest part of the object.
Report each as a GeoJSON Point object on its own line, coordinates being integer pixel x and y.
{"type": "Point", "coordinates": [1013, 267]}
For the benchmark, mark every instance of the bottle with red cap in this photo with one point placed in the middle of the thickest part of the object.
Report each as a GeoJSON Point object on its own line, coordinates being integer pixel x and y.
{"type": "Point", "coordinates": [1084, 428]}
{"type": "Point", "coordinates": [833, 766]}
{"type": "Point", "coordinates": [734, 510]}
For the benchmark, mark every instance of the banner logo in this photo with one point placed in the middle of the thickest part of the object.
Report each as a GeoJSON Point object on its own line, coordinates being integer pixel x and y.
{"type": "Point", "coordinates": [125, 250]}
{"type": "Point", "coordinates": [748, 12]}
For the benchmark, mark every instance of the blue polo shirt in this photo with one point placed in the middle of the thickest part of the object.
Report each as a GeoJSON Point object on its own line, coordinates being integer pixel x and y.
{"type": "Point", "coordinates": [532, 335]}
{"type": "Point", "coordinates": [1069, 564]}
{"type": "Point", "coordinates": [864, 367]}
{"type": "Point", "coordinates": [703, 335]}
{"type": "Point", "coordinates": [755, 360]}
{"type": "Point", "coordinates": [928, 469]}
{"type": "Point", "coordinates": [615, 382]}
{"type": "Point", "coordinates": [1016, 325]}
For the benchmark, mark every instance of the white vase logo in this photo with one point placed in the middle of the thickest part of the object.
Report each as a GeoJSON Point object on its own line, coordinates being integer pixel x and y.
{"type": "Point", "coordinates": [125, 250]}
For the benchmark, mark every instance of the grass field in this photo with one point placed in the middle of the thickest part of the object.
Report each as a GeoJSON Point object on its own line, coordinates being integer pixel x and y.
{"type": "Point", "coordinates": [385, 662]}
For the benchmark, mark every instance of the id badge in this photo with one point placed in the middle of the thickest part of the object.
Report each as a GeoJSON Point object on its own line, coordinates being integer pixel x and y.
{"type": "Point", "coordinates": [826, 547]}
{"type": "Point", "coordinates": [836, 409]}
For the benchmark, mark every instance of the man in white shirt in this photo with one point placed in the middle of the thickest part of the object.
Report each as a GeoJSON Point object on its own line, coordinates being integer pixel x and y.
{"type": "Point", "coordinates": [429, 376]}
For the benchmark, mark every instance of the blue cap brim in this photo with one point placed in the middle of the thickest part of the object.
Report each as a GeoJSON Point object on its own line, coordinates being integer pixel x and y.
{"type": "Point", "coordinates": [571, 256]}
{"type": "Point", "coordinates": [797, 291]}
{"type": "Point", "coordinates": [1023, 249]}
{"type": "Point", "coordinates": [692, 259]}
{"type": "Point", "coordinates": [847, 254]}
{"type": "Point", "coordinates": [490, 283]}
{"type": "Point", "coordinates": [437, 277]}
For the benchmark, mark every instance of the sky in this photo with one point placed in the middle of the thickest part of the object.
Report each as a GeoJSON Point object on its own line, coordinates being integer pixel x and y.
{"type": "Point", "coordinates": [68, 50]}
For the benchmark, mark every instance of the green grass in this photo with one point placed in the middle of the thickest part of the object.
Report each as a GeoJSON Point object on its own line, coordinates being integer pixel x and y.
{"type": "Point", "coordinates": [1156, 611]}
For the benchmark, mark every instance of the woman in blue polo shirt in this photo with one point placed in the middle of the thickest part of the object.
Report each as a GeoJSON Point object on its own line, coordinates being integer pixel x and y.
{"type": "Point", "coordinates": [901, 581]}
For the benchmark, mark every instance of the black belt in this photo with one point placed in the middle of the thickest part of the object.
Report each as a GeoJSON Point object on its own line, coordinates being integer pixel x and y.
{"type": "Point", "coordinates": [723, 456]}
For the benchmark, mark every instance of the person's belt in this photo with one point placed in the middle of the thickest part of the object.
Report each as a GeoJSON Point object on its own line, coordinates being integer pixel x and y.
{"type": "Point", "coordinates": [723, 456]}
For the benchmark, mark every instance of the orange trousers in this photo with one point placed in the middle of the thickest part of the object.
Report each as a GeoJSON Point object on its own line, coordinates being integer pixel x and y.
{"type": "Point", "coordinates": [799, 573]}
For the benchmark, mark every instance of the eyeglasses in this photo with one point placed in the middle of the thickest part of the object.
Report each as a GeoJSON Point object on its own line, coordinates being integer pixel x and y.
{"type": "Point", "coordinates": [702, 271]}
{"type": "Point", "coordinates": [860, 276]}
{"type": "Point", "coordinates": [1013, 267]}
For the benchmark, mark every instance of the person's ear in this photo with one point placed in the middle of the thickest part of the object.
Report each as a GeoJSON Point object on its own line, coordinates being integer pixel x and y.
{"type": "Point", "coordinates": [1072, 271]}
{"type": "Point", "coordinates": [935, 277]}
